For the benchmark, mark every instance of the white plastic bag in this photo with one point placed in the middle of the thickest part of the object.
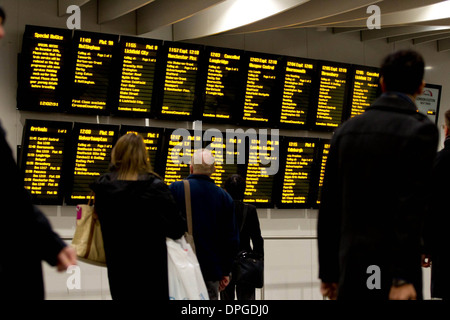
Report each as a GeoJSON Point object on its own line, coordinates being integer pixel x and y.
{"type": "Point", "coordinates": [185, 277]}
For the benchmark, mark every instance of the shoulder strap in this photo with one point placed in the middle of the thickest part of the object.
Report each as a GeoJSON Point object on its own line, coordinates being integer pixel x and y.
{"type": "Point", "coordinates": [244, 215]}
{"type": "Point", "coordinates": [187, 197]}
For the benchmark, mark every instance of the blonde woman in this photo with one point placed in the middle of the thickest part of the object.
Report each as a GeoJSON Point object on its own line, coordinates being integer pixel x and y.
{"type": "Point", "coordinates": [137, 212]}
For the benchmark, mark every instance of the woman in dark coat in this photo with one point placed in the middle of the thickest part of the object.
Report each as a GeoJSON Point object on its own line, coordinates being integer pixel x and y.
{"type": "Point", "coordinates": [137, 212]}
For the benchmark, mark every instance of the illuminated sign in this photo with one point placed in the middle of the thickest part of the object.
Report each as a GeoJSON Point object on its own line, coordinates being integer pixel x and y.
{"type": "Point", "coordinates": [299, 157]}
{"type": "Point", "coordinates": [138, 67]}
{"type": "Point", "coordinates": [260, 89]}
{"type": "Point", "coordinates": [259, 184]}
{"type": "Point", "coordinates": [44, 149]}
{"type": "Point", "coordinates": [177, 147]}
{"type": "Point", "coordinates": [428, 102]}
{"type": "Point", "coordinates": [297, 88]}
{"type": "Point", "coordinates": [43, 68]}
{"type": "Point", "coordinates": [325, 150]}
{"type": "Point", "coordinates": [332, 96]}
{"type": "Point", "coordinates": [92, 156]}
{"type": "Point", "coordinates": [152, 139]}
{"type": "Point", "coordinates": [92, 72]}
{"type": "Point", "coordinates": [223, 83]}
{"type": "Point", "coordinates": [365, 89]}
{"type": "Point", "coordinates": [180, 80]}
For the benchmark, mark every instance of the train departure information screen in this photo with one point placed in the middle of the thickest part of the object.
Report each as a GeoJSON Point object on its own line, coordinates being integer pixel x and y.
{"type": "Point", "coordinates": [179, 153]}
{"type": "Point", "coordinates": [365, 90]}
{"type": "Point", "coordinates": [93, 145]}
{"type": "Point", "coordinates": [260, 89]}
{"type": "Point", "coordinates": [297, 173]}
{"type": "Point", "coordinates": [296, 91]}
{"type": "Point", "coordinates": [259, 183]}
{"type": "Point", "coordinates": [92, 71]}
{"type": "Point", "coordinates": [43, 150]}
{"type": "Point", "coordinates": [180, 81]}
{"type": "Point", "coordinates": [43, 69]}
{"type": "Point", "coordinates": [223, 83]}
{"type": "Point", "coordinates": [152, 139]}
{"type": "Point", "coordinates": [332, 94]}
{"type": "Point", "coordinates": [139, 60]}
{"type": "Point", "coordinates": [325, 151]}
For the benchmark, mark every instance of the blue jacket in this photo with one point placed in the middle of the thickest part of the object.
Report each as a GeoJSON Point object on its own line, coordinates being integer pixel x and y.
{"type": "Point", "coordinates": [215, 232]}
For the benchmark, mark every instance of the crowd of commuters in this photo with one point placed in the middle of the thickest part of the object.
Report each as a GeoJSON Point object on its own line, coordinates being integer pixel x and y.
{"type": "Point", "coordinates": [383, 208]}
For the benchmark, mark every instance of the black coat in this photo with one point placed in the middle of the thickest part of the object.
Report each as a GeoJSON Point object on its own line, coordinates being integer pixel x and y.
{"type": "Point", "coordinates": [437, 241]}
{"type": "Point", "coordinates": [136, 217]}
{"type": "Point", "coordinates": [26, 237]}
{"type": "Point", "coordinates": [373, 198]}
{"type": "Point", "coordinates": [250, 230]}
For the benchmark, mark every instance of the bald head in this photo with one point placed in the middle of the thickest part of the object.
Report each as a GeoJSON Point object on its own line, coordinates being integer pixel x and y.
{"type": "Point", "coordinates": [203, 162]}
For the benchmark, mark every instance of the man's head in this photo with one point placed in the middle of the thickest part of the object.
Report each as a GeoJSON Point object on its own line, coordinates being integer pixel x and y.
{"type": "Point", "coordinates": [2, 21]}
{"type": "Point", "coordinates": [403, 71]}
{"type": "Point", "coordinates": [202, 162]}
{"type": "Point", "coordinates": [447, 123]}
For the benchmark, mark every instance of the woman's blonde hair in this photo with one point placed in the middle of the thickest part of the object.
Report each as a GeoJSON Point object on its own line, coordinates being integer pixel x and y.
{"type": "Point", "coordinates": [129, 157]}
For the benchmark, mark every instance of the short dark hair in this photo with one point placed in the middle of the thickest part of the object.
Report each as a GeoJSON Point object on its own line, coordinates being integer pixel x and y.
{"type": "Point", "coordinates": [235, 186]}
{"type": "Point", "coordinates": [403, 71]}
{"type": "Point", "coordinates": [2, 15]}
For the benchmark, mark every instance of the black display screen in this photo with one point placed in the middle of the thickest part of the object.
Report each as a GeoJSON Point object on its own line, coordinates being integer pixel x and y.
{"type": "Point", "coordinates": [93, 72]}
{"type": "Point", "coordinates": [153, 139]}
{"type": "Point", "coordinates": [222, 84]}
{"type": "Point", "coordinates": [365, 89]}
{"type": "Point", "coordinates": [44, 149]}
{"type": "Point", "coordinates": [178, 97]}
{"type": "Point", "coordinates": [297, 172]}
{"type": "Point", "coordinates": [261, 89]}
{"type": "Point", "coordinates": [300, 77]}
{"type": "Point", "coordinates": [138, 66]}
{"type": "Point", "coordinates": [43, 69]}
{"type": "Point", "coordinates": [92, 146]}
{"type": "Point", "coordinates": [332, 96]}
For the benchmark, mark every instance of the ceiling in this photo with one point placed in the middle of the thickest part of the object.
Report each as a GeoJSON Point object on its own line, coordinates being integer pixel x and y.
{"type": "Point", "coordinates": [417, 21]}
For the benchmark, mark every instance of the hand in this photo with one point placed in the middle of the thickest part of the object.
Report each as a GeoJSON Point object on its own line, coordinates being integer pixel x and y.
{"type": "Point", "coordinates": [329, 290]}
{"type": "Point", "coordinates": [426, 260]}
{"type": "Point", "coordinates": [223, 283]}
{"type": "Point", "coordinates": [404, 292]}
{"type": "Point", "coordinates": [66, 258]}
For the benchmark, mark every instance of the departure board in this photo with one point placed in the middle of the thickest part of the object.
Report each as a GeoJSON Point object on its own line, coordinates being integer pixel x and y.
{"type": "Point", "coordinates": [92, 72]}
{"type": "Point", "coordinates": [259, 183]}
{"type": "Point", "coordinates": [152, 139]}
{"type": "Point", "coordinates": [365, 89]}
{"type": "Point", "coordinates": [139, 58]}
{"type": "Point", "coordinates": [43, 69]}
{"type": "Point", "coordinates": [44, 147]}
{"type": "Point", "coordinates": [261, 89]}
{"type": "Point", "coordinates": [333, 83]}
{"type": "Point", "coordinates": [223, 83]}
{"type": "Point", "coordinates": [93, 144]}
{"type": "Point", "coordinates": [299, 155]}
{"type": "Point", "coordinates": [179, 150]}
{"type": "Point", "coordinates": [324, 151]}
{"type": "Point", "coordinates": [180, 80]}
{"type": "Point", "coordinates": [299, 79]}
{"type": "Point", "coordinates": [229, 153]}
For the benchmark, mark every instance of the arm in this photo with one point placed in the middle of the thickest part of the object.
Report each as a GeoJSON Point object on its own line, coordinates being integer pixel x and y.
{"type": "Point", "coordinates": [255, 231]}
{"type": "Point", "coordinates": [172, 220]}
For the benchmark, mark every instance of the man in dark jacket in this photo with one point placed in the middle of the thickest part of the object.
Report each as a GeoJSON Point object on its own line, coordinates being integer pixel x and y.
{"type": "Point", "coordinates": [26, 237]}
{"type": "Point", "coordinates": [436, 226]}
{"type": "Point", "coordinates": [373, 200]}
{"type": "Point", "coordinates": [215, 233]}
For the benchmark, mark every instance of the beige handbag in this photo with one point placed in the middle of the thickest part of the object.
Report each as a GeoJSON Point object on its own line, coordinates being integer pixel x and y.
{"type": "Point", "coordinates": [87, 240]}
{"type": "Point", "coordinates": [187, 196]}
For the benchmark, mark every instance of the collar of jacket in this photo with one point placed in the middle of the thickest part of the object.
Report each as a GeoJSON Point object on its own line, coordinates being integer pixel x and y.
{"type": "Point", "coordinates": [447, 142]}
{"type": "Point", "coordinates": [200, 177]}
{"type": "Point", "coordinates": [394, 101]}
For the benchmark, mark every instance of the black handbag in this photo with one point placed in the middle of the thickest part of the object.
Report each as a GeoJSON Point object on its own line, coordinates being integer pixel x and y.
{"type": "Point", "coordinates": [248, 268]}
